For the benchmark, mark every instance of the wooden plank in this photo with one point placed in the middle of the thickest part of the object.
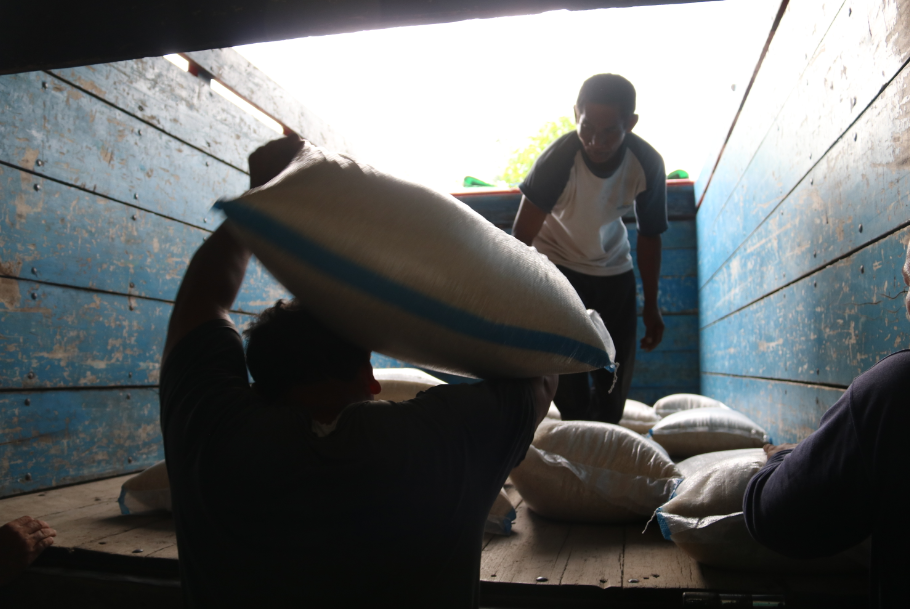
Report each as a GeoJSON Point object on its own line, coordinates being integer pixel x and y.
{"type": "Point", "coordinates": [62, 337]}
{"type": "Point", "coordinates": [789, 412]}
{"type": "Point", "coordinates": [64, 235]}
{"type": "Point", "coordinates": [234, 71]}
{"type": "Point", "coordinates": [595, 556]}
{"type": "Point", "coordinates": [166, 552]}
{"type": "Point", "coordinates": [680, 333]}
{"type": "Point", "coordinates": [534, 549]}
{"type": "Point", "coordinates": [176, 102]}
{"type": "Point", "coordinates": [681, 234]}
{"type": "Point", "coordinates": [798, 36]}
{"type": "Point", "coordinates": [152, 537]}
{"type": "Point", "coordinates": [62, 437]}
{"type": "Point", "coordinates": [47, 504]}
{"type": "Point", "coordinates": [82, 526]}
{"type": "Point", "coordinates": [87, 143]}
{"type": "Point", "coordinates": [862, 51]}
{"type": "Point", "coordinates": [834, 209]}
{"type": "Point", "coordinates": [827, 328]}
{"type": "Point", "coordinates": [649, 395]}
{"type": "Point", "coordinates": [665, 368]}
{"type": "Point", "coordinates": [674, 262]}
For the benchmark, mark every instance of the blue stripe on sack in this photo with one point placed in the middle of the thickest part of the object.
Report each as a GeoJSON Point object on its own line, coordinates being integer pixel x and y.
{"type": "Point", "coordinates": [410, 300]}
{"type": "Point", "coordinates": [122, 501]}
{"type": "Point", "coordinates": [664, 527]}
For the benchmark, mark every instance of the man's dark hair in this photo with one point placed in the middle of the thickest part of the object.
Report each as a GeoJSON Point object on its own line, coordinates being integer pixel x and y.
{"type": "Point", "coordinates": [287, 346]}
{"type": "Point", "coordinates": [608, 90]}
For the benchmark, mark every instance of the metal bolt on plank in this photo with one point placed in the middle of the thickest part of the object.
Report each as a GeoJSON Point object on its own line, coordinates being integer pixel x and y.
{"type": "Point", "coordinates": [37, 186]}
{"type": "Point", "coordinates": [542, 579]}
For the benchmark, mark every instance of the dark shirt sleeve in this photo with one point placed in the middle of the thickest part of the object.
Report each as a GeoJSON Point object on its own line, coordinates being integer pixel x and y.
{"type": "Point", "coordinates": [548, 178]}
{"type": "Point", "coordinates": [651, 204]}
{"type": "Point", "coordinates": [815, 500]}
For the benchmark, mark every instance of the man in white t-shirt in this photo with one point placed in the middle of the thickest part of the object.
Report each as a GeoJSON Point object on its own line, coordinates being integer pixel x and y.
{"type": "Point", "coordinates": [571, 211]}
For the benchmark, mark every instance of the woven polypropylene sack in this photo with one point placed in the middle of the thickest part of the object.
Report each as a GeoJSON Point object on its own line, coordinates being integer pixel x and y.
{"type": "Point", "coordinates": [583, 471]}
{"type": "Point", "coordinates": [706, 430]}
{"type": "Point", "coordinates": [400, 384]}
{"type": "Point", "coordinates": [678, 402]}
{"type": "Point", "coordinates": [415, 274]}
{"type": "Point", "coordinates": [638, 417]}
{"type": "Point", "coordinates": [705, 519]}
{"type": "Point", "coordinates": [501, 516]}
{"type": "Point", "coordinates": [149, 491]}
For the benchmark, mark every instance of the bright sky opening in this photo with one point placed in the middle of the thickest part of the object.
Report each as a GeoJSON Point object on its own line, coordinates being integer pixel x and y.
{"type": "Point", "coordinates": [436, 103]}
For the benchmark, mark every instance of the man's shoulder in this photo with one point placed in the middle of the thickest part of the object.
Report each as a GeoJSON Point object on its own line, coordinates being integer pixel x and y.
{"type": "Point", "coordinates": [646, 154]}
{"type": "Point", "coordinates": [891, 373]}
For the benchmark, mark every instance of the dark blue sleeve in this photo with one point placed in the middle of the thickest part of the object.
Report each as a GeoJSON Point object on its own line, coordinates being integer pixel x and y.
{"type": "Point", "coordinates": [550, 174]}
{"type": "Point", "coordinates": [814, 501]}
{"type": "Point", "coordinates": [650, 205]}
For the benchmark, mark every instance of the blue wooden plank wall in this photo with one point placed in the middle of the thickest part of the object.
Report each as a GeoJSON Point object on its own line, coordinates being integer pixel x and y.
{"type": "Point", "coordinates": [673, 366]}
{"type": "Point", "coordinates": [107, 175]}
{"type": "Point", "coordinates": [803, 228]}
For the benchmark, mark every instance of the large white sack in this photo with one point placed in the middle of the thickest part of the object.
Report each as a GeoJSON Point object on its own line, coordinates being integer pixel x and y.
{"type": "Point", "coordinates": [638, 417]}
{"type": "Point", "coordinates": [705, 519]}
{"type": "Point", "coordinates": [501, 516]}
{"type": "Point", "coordinates": [677, 402]}
{"type": "Point", "coordinates": [400, 384]}
{"type": "Point", "coordinates": [148, 491]}
{"type": "Point", "coordinates": [415, 274]}
{"type": "Point", "coordinates": [706, 430]}
{"type": "Point", "coordinates": [585, 471]}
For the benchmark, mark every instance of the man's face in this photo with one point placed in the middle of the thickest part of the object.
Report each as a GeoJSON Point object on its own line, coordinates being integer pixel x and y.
{"type": "Point", "coordinates": [906, 272]}
{"type": "Point", "coordinates": [602, 130]}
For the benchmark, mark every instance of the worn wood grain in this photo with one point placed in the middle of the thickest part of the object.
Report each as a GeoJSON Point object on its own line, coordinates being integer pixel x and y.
{"type": "Point", "coordinates": [176, 102]}
{"type": "Point", "coordinates": [62, 337]}
{"type": "Point", "coordinates": [536, 548]}
{"type": "Point", "coordinates": [665, 368]}
{"type": "Point", "coordinates": [47, 504]}
{"type": "Point", "coordinates": [82, 526]}
{"type": "Point", "coordinates": [62, 437]}
{"type": "Point", "coordinates": [87, 143]}
{"type": "Point", "coordinates": [254, 86]}
{"type": "Point", "coordinates": [788, 411]}
{"type": "Point", "coordinates": [649, 395]}
{"type": "Point", "coordinates": [855, 194]}
{"type": "Point", "coordinates": [677, 294]}
{"type": "Point", "coordinates": [595, 556]}
{"type": "Point", "coordinates": [63, 235]}
{"type": "Point", "coordinates": [827, 328]}
{"type": "Point", "coordinates": [862, 51]}
{"type": "Point", "coordinates": [798, 36]}
{"type": "Point", "coordinates": [681, 234]}
{"type": "Point", "coordinates": [153, 536]}
{"type": "Point", "coordinates": [166, 552]}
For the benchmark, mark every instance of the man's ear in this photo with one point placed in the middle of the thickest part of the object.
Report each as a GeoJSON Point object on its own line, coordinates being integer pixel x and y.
{"type": "Point", "coordinates": [366, 377]}
{"type": "Point", "coordinates": [631, 121]}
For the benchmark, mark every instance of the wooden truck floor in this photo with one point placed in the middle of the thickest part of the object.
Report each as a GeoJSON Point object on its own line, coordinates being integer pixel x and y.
{"type": "Point", "coordinates": [103, 557]}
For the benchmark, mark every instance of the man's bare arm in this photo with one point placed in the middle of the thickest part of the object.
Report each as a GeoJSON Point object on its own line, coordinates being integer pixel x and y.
{"type": "Point", "coordinates": [216, 271]}
{"type": "Point", "coordinates": [528, 221]}
{"type": "Point", "coordinates": [649, 250]}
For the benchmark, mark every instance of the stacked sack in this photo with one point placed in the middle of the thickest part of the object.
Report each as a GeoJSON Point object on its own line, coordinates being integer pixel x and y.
{"type": "Point", "coordinates": [584, 471]}
{"type": "Point", "coordinates": [694, 424]}
{"type": "Point", "coordinates": [705, 518]}
{"type": "Point", "coordinates": [639, 417]}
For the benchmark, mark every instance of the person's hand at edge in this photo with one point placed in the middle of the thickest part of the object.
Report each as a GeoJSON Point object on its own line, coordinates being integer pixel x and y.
{"type": "Point", "coordinates": [771, 449]}
{"type": "Point", "coordinates": [270, 159]}
{"type": "Point", "coordinates": [654, 328]}
{"type": "Point", "coordinates": [21, 542]}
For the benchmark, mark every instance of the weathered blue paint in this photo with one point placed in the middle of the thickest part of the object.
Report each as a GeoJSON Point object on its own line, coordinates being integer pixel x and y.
{"type": "Point", "coordinates": [677, 295]}
{"type": "Point", "coordinates": [680, 334]}
{"type": "Point", "coordinates": [665, 368]}
{"type": "Point", "coordinates": [63, 235]}
{"type": "Point", "coordinates": [681, 234]}
{"type": "Point", "coordinates": [861, 52]}
{"type": "Point", "coordinates": [827, 328]}
{"type": "Point", "coordinates": [62, 437]}
{"type": "Point", "coordinates": [820, 220]}
{"type": "Point", "coordinates": [67, 337]}
{"type": "Point", "coordinates": [186, 107]}
{"type": "Point", "coordinates": [86, 142]}
{"type": "Point", "coordinates": [649, 395]}
{"type": "Point", "coordinates": [787, 411]}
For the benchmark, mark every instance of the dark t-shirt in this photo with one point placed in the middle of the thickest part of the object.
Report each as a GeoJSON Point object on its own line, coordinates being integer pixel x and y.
{"type": "Point", "coordinates": [844, 482]}
{"type": "Point", "coordinates": [388, 508]}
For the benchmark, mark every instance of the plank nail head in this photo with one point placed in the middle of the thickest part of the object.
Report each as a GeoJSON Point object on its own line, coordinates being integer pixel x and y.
{"type": "Point", "coordinates": [135, 216]}
{"type": "Point", "coordinates": [31, 375]}
{"type": "Point", "coordinates": [129, 459]}
{"type": "Point", "coordinates": [860, 228]}
{"type": "Point", "coordinates": [132, 285]}
{"type": "Point", "coordinates": [101, 543]}
{"type": "Point", "coordinates": [137, 551]}
{"type": "Point", "coordinates": [34, 271]}
{"type": "Point", "coordinates": [28, 477]}
{"type": "Point", "coordinates": [136, 196]}
{"type": "Point", "coordinates": [44, 85]}
{"type": "Point", "coordinates": [34, 295]}
{"type": "Point", "coordinates": [602, 580]}
{"type": "Point", "coordinates": [140, 131]}
{"type": "Point", "coordinates": [39, 163]}
{"type": "Point", "coordinates": [862, 269]}
{"type": "Point", "coordinates": [28, 402]}
{"type": "Point", "coordinates": [655, 575]}
{"type": "Point", "coordinates": [37, 186]}
{"type": "Point", "coordinates": [633, 581]}
{"type": "Point", "coordinates": [128, 396]}
{"type": "Point", "coordinates": [854, 137]}
{"type": "Point", "coordinates": [542, 579]}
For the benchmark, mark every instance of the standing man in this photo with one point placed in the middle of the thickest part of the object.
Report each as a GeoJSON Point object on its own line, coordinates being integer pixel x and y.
{"type": "Point", "coordinates": [302, 491]}
{"type": "Point", "coordinates": [571, 211]}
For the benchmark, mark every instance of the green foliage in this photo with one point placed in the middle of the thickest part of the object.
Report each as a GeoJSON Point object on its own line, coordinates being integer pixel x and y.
{"type": "Point", "coordinates": [522, 160]}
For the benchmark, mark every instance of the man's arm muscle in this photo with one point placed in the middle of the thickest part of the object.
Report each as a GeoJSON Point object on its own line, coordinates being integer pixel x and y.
{"type": "Point", "coordinates": [528, 221]}
{"type": "Point", "coordinates": [649, 250]}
